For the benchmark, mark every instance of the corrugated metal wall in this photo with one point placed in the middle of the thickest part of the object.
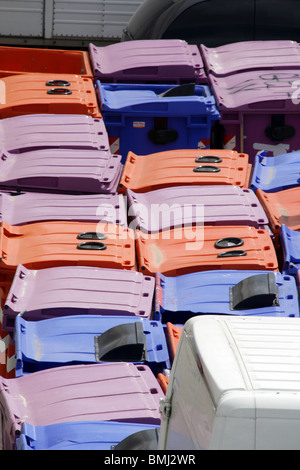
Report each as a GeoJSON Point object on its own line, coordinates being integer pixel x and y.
{"type": "Point", "coordinates": [65, 18]}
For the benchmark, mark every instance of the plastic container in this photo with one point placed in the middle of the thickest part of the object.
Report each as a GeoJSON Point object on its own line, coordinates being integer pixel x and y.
{"type": "Point", "coordinates": [24, 61]}
{"type": "Point", "coordinates": [88, 435]}
{"type": "Point", "coordinates": [289, 241]}
{"type": "Point", "coordinates": [250, 55]}
{"type": "Point", "coordinates": [259, 111]}
{"type": "Point", "coordinates": [93, 392]}
{"type": "Point", "coordinates": [83, 339]}
{"type": "Point", "coordinates": [47, 93]}
{"type": "Point", "coordinates": [19, 208]}
{"type": "Point", "coordinates": [61, 171]}
{"type": "Point", "coordinates": [40, 131]}
{"type": "Point", "coordinates": [148, 61]}
{"type": "Point", "coordinates": [236, 293]}
{"type": "Point", "coordinates": [77, 290]}
{"type": "Point", "coordinates": [152, 118]}
{"type": "Point", "coordinates": [281, 207]}
{"type": "Point", "coordinates": [184, 167]}
{"type": "Point", "coordinates": [178, 206]}
{"type": "Point", "coordinates": [206, 248]}
{"type": "Point", "coordinates": [272, 174]}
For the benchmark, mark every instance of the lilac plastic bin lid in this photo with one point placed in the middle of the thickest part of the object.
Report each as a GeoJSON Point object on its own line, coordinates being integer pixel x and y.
{"type": "Point", "coordinates": [250, 55]}
{"type": "Point", "coordinates": [256, 91]}
{"type": "Point", "coordinates": [61, 170]}
{"type": "Point", "coordinates": [71, 290]}
{"type": "Point", "coordinates": [37, 131]}
{"type": "Point", "coordinates": [166, 208]}
{"type": "Point", "coordinates": [162, 60]}
{"type": "Point", "coordinates": [23, 208]}
{"type": "Point", "coordinates": [104, 392]}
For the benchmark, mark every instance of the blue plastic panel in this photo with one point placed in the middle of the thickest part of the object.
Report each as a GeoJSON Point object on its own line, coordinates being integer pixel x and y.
{"type": "Point", "coordinates": [290, 244]}
{"type": "Point", "coordinates": [208, 292]}
{"type": "Point", "coordinates": [131, 112]}
{"type": "Point", "coordinates": [78, 435]}
{"type": "Point", "coordinates": [67, 340]}
{"type": "Point", "coordinates": [272, 174]}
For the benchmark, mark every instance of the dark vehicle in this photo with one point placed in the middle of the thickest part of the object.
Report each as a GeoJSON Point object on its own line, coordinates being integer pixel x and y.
{"type": "Point", "coordinates": [215, 22]}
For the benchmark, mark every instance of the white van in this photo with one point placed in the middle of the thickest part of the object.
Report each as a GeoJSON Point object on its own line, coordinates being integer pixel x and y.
{"type": "Point", "coordinates": [234, 384]}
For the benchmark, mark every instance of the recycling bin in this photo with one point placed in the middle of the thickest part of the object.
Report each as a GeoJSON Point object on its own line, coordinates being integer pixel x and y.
{"type": "Point", "coordinates": [146, 118]}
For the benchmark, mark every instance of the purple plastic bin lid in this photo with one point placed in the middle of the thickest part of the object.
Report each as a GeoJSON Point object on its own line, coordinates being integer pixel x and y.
{"type": "Point", "coordinates": [259, 90]}
{"type": "Point", "coordinates": [61, 170]}
{"type": "Point", "coordinates": [23, 208]}
{"type": "Point", "coordinates": [165, 60]}
{"type": "Point", "coordinates": [181, 206]}
{"type": "Point", "coordinates": [104, 392]}
{"type": "Point", "coordinates": [251, 55]}
{"type": "Point", "coordinates": [71, 290]}
{"type": "Point", "coordinates": [37, 131]}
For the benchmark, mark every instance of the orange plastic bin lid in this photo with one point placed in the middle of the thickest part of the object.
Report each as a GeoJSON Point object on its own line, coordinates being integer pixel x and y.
{"type": "Point", "coordinates": [282, 207]}
{"type": "Point", "coordinates": [41, 245]}
{"type": "Point", "coordinates": [184, 166]}
{"type": "Point", "coordinates": [27, 60]}
{"type": "Point", "coordinates": [47, 93]}
{"type": "Point", "coordinates": [173, 333]}
{"type": "Point", "coordinates": [190, 249]}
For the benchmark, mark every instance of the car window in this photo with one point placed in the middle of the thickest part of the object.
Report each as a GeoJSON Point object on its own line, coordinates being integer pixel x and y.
{"type": "Point", "coordinates": [215, 22]}
{"type": "Point", "coordinates": [277, 19]}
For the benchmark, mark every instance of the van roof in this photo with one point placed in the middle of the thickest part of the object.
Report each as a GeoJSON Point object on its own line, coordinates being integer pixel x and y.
{"type": "Point", "coordinates": [247, 353]}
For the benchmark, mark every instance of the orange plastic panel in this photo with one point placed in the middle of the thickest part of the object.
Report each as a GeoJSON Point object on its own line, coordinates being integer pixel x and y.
{"type": "Point", "coordinates": [189, 249]}
{"type": "Point", "coordinates": [42, 245]}
{"type": "Point", "coordinates": [163, 381]}
{"type": "Point", "coordinates": [22, 60]}
{"type": "Point", "coordinates": [282, 207]}
{"type": "Point", "coordinates": [173, 334]}
{"type": "Point", "coordinates": [64, 94]}
{"type": "Point", "coordinates": [178, 167]}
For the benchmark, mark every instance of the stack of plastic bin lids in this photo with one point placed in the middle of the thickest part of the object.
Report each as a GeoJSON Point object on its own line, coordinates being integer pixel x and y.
{"type": "Point", "coordinates": [88, 435]}
{"type": "Point", "coordinates": [272, 174]}
{"type": "Point", "coordinates": [39, 131]}
{"type": "Point", "coordinates": [77, 290]}
{"type": "Point", "coordinates": [123, 392]}
{"type": "Point", "coordinates": [260, 109]}
{"type": "Point", "coordinates": [290, 242]}
{"type": "Point", "coordinates": [61, 170]}
{"type": "Point", "coordinates": [148, 61]}
{"type": "Point", "coordinates": [258, 293]}
{"type": "Point", "coordinates": [18, 208]}
{"type": "Point", "coordinates": [84, 339]}
{"type": "Point", "coordinates": [150, 118]}
{"type": "Point", "coordinates": [178, 206]}
{"type": "Point", "coordinates": [47, 93]}
{"type": "Point", "coordinates": [204, 248]}
{"type": "Point", "coordinates": [282, 207]}
{"type": "Point", "coordinates": [51, 244]}
{"type": "Point", "coordinates": [250, 55]}
{"type": "Point", "coordinates": [24, 61]}
{"type": "Point", "coordinates": [184, 167]}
